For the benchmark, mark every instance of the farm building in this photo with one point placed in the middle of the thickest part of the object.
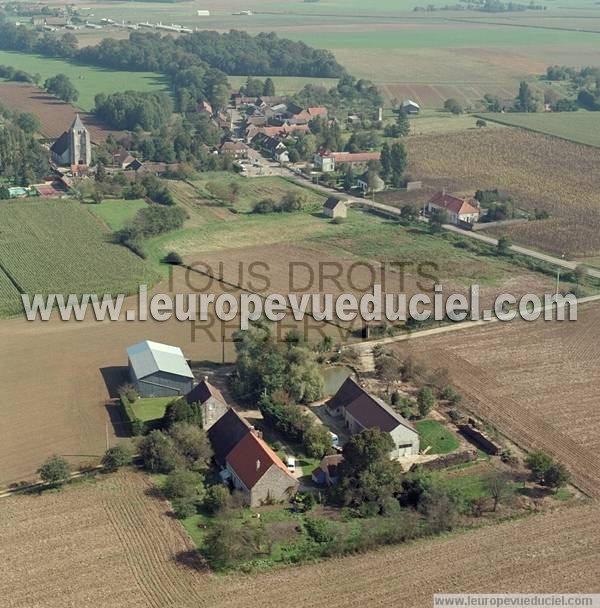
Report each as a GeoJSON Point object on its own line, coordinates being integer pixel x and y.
{"type": "Point", "coordinates": [159, 370]}
{"type": "Point", "coordinates": [74, 146]}
{"type": "Point", "coordinates": [258, 472]}
{"type": "Point", "coordinates": [211, 400]}
{"type": "Point", "coordinates": [326, 474]}
{"type": "Point", "coordinates": [362, 410]}
{"type": "Point", "coordinates": [226, 433]}
{"type": "Point", "coordinates": [335, 207]}
{"type": "Point", "coordinates": [408, 106]}
{"type": "Point", "coordinates": [376, 185]}
{"type": "Point", "coordinates": [327, 161]}
{"type": "Point", "coordinates": [458, 209]}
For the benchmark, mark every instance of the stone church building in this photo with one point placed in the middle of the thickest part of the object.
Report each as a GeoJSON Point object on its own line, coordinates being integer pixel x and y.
{"type": "Point", "coordinates": [73, 147]}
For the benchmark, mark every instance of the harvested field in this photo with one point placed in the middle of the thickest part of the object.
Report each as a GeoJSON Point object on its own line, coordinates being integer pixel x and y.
{"type": "Point", "coordinates": [537, 383]}
{"type": "Point", "coordinates": [56, 116]}
{"type": "Point", "coordinates": [110, 542]}
{"type": "Point", "coordinates": [540, 172]}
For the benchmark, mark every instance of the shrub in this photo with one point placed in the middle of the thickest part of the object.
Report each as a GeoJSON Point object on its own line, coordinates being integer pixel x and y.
{"type": "Point", "coordinates": [55, 470]}
{"type": "Point", "coordinates": [425, 400]}
{"type": "Point", "coordinates": [158, 452]}
{"type": "Point", "coordinates": [173, 258]}
{"type": "Point", "coordinates": [217, 498]}
{"type": "Point", "coordinates": [116, 457]}
{"type": "Point", "coordinates": [183, 507]}
{"type": "Point", "coordinates": [182, 484]}
{"type": "Point", "coordinates": [267, 205]}
{"type": "Point", "coordinates": [320, 530]}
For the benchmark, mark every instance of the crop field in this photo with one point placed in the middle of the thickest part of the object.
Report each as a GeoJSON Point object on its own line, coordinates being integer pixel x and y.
{"type": "Point", "coordinates": [542, 397]}
{"type": "Point", "coordinates": [581, 127]}
{"type": "Point", "coordinates": [55, 116]}
{"type": "Point", "coordinates": [117, 212]}
{"type": "Point", "coordinates": [59, 247]}
{"type": "Point", "coordinates": [540, 172]}
{"type": "Point", "coordinates": [110, 541]}
{"type": "Point", "coordinates": [287, 85]}
{"type": "Point", "coordinates": [88, 80]}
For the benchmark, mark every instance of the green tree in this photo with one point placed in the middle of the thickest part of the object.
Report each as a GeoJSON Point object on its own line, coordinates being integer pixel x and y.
{"type": "Point", "coordinates": [425, 400]}
{"type": "Point", "coordinates": [398, 163]}
{"type": "Point", "coordinates": [217, 499]}
{"type": "Point", "coordinates": [498, 486]}
{"type": "Point", "coordinates": [317, 441]}
{"type": "Point", "coordinates": [61, 86]}
{"type": "Point", "coordinates": [116, 457]}
{"type": "Point", "coordinates": [55, 470]}
{"type": "Point", "coordinates": [556, 476]}
{"type": "Point", "coordinates": [192, 444]}
{"type": "Point", "coordinates": [438, 218]}
{"type": "Point", "coordinates": [538, 463]}
{"type": "Point", "coordinates": [348, 182]}
{"type": "Point", "coordinates": [409, 213]}
{"type": "Point", "coordinates": [158, 452]}
{"type": "Point", "coordinates": [503, 246]}
{"type": "Point", "coordinates": [386, 162]}
{"type": "Point", "coordinates": [269, 88]}
{"type": "Point", "coordinates": [453, 106]}
{"type": "Point", "coordinates": [29, 122]}
{"type": "Point", "coordinates": [182, 484]}
{"type": "Point", "coordinates": [402, 124]}
{"type": "Point", "coordinates": [527, 100]}
{"type": "Point", "coordinates": [179, 410]}
{"type": "Point", "coordinates": [480, 123]}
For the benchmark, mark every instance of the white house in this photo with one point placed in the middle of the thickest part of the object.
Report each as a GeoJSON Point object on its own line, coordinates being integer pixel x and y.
{"type": "Point", "coordinates": [458, 209]}
{"type": "Point", "coordinates": [361, 411]}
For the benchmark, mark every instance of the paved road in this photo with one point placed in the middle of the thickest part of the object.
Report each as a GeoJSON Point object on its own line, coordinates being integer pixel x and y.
{"type": "Point", "coordinates": [566, 264]}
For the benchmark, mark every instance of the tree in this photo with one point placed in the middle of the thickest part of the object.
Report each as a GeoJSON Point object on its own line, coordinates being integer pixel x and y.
{"type": "Point", "coordinates": [439, 509]}
{"type": "Point", "coordinates": [402, 124]}
{"type": "Point", "coordinates": [317, 441]}
{"type": "Point", "coordinates": [388, 368]}
{"type": "Point", "coordinates": [527, 100]}
{"type": "Point", "coordinates": [386, 162]}
{"type": "Point", "coordinates": [192, 444]}
{"type": "Point", "coordinates": [217, 499]}
{"type": "Point", "coordinates": [556, 476]}
{"type": "Point", "coordinates": [269, 88]}
{"type": "Point", "coordinates": [55, 470]}
{"type": "Point", "coordinates": [503, 246]}
{"type": "Point", "coordinates": [480, 123]}
{"type": "Point", "coordinates": [425, 400]}
{"type": "Point", "coordinates": [453, 106]}
{"type": "Point", "coordinates": [348, 183]}
{"type": "Point", "coordinates": [498, 486]}
{"type": "Point", "coordinates": [116, 457]}
{"type": "Point", "coordinates": [61, 86]}
{"type": "Point", "coordinates": [173, 258]}
{"type": "Point", "coordinates": [538, 463]}
{"type": "Point", "coordinates": [182, 484]}
{"type": "Point", "coordinates": [28, 122]}
{"type": "Point", "coordinates": [409, 213]}
{"type": "Point", "coordinates": [438, 218]}
{"type": "Point", "coordinates": [398, 163]}
{"type": "Point", "coordinates": [158, 452]}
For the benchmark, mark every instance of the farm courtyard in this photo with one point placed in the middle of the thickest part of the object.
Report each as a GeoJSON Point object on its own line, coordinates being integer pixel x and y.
{"type": "Point", "coordinates": [111, 541]}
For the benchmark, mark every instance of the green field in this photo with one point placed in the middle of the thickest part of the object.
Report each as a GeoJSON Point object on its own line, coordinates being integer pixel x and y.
{"type": "Point", "coordinates": [150, 408]}
{"type": "Point", "coordinates": [88, 80]}
{"type": "Point", "coordinates": [286, 85]}
{"type": "Point", "coordinates": [433, 433]}
{"type": "Point", "coordinates": [581, 127]}
{"type": "Point", "coordinates": [52, 246]}
{"type": "Point", "coordinates": [117, 212]}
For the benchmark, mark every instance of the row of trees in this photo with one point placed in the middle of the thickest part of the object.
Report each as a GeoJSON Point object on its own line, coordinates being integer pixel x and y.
{"type": "Point", "coordinates": [131, 110]}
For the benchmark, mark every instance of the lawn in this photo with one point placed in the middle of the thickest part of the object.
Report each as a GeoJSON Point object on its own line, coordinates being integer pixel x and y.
{"type": "Point", "coordinates": [581, 127]}
{"type": "Point", "coordinates": [88, 80]}
{"type": "Point", "coordinates": [433, 433]}
{"type": "Point", "coordinates": [150, 408]}
{"type": "Point", "coordinates": [117, 212]}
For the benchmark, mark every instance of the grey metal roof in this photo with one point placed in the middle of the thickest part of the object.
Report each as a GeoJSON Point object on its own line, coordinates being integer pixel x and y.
{"type": "Point", "coordinates": [77, 124]}
{"type": "Point", "coordinates": [148, 357]}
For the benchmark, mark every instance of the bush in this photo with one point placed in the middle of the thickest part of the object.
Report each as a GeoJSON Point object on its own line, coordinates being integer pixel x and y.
{"type": "Point", "coordinates": [267, 205]}
{"type": "Point", "coordinates": [55, 470]}
{"type": "Point", "coordinates": [320, 530]}
{"type": "Point", "coordinates": [158, 453]}
{"type": "Point", "coordinates": [425, 400]}
{"type": "Point", "coordinates": [182, 484]}
{"type": "Point", "coordinates": [173, 258]}
{"type": "Point", "coordinates": [116, 457]}
{"type": "Point", "coordinates": [217, 499]}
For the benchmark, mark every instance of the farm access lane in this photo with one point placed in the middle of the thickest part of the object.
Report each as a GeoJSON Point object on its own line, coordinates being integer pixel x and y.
{"type": "Point", "coordinates": [566, 264]}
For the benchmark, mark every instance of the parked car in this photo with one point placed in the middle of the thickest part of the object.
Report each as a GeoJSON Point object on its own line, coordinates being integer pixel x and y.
{"type": "Point", "coordinates": [335, 440]}
{"type": "Point", "coordinates": [291, 464]}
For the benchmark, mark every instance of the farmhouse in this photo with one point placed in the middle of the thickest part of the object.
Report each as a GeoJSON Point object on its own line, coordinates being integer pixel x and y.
{"type": "Point", "coordinates": [362, 410]}
{"type": "Point", "coordinates": [370, 184]}
{"type": "Point", "coordinates": [159, 370]}
{"type": "Point", "coordinates": [408, 106]}
{"type": "Point", "coordinates": [335, 207]}
{"type": "Point", "coordinates": [326, 474]}
{"type": "Point", "coordinates": [211, 400]}
{"type": "Point", "coordinates": [459, 210]}
{"type": "Point", "coordinates": [258, 472]}
{"type": "Point", "coordinates": [74, 146]}
{"type": "Point", "coordinates": [226, 433]}
{"type": "Point", "coordinates": [236, 149]}
{"type": "Point", "coordinates": [326, 161]}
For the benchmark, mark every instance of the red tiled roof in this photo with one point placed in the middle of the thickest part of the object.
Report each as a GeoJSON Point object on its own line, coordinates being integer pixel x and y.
{"type": "Point", "coordinates": [251, 458]}
{"type": "Point", "coordinates": [354, 157]}
{"type": "Point", "coordinates": [283, 130]}
{"type": "Point", "coordinates": [453, 203]}
{"type": "Point", "coordinates": [317, 111]}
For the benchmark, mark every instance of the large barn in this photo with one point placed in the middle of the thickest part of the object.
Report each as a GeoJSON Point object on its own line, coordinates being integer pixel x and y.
{"type": "Point", "coordinates": [159, 370]}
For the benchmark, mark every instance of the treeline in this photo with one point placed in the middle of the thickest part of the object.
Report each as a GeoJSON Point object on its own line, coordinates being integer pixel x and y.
{"type": "Point", "coordinates": [586, 82]}
{"type": "Point", "coordinates": [22, 158]}
{"type": "Point", "coordinates": [132, 110]}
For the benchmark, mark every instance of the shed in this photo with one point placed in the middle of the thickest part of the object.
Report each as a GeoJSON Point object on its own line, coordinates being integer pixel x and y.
{"type": "Point", "coordinates": [159, 370]}
{"type": "Point", "coordinates": [409, 106]}
{"type": "Point", "coordinates": [335, 207]}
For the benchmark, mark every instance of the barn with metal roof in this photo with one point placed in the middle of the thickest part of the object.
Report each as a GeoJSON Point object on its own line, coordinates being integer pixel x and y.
{"type": "Point", "coordinates": [159, 370]}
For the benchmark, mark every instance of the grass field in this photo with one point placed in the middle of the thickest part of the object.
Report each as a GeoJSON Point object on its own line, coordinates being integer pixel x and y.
{"type": "Point", "coordinates": [150, 408]}
{"type": "Point", "coordinates": [581, 127]}
{"type": "Point", "coordinates": [59, 247]}
{"type": "Point", "coordinates": [435, 435]}
{"type": "Point", "coordinates": [117, 212]}
{"type": "Point", "coordinates": [88, 80]}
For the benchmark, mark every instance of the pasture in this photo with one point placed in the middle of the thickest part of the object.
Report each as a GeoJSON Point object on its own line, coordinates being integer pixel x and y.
{"type": "Point", "coordinates": [542, 398]}
{"type": "Point", "coordinates": [581, 127]}
{"type": "Point", "coordinates": [148, 560]}
{"type": "Point", "coordinates": [539, 172]}
{"type": "Point", "coordinates": [88, 80]}
{"type": "Point", "coordinates": [50, 246]}
{"type": "Point", "coordinates": [115, 213]}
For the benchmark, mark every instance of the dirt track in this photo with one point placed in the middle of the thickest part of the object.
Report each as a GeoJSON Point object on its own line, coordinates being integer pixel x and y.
{"type": "Point", "coordinates": [109, 544]}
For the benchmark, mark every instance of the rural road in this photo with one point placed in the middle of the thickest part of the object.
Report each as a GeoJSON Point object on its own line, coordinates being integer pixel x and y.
{"type": "Point", "coordinates": [566, 264]}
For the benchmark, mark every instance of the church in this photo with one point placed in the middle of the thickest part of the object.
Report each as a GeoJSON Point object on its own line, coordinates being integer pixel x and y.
{"type": "Point", "coordinates": [74, 146]}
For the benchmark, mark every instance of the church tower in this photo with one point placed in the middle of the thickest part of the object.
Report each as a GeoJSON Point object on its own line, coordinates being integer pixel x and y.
{"type": "Point", "coordinates": [80, 146]}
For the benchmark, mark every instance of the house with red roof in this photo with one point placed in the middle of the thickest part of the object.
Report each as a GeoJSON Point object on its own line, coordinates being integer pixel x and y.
{"type": "Point", "coordinates": [361, 411]}
{"type": "Point", "coordinates": [459, 210]}
{"type": "Point", "coordinates": [258, 472]}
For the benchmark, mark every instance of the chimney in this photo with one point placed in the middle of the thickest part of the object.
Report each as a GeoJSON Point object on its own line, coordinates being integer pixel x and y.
{"type": "Point", "coordinates": [205, 378]}
{"type": "Point", "coordinates": [258, 465]}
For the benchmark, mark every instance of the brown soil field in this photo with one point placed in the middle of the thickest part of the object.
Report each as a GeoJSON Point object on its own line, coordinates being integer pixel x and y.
{"type": "Point", "coordinates": [55, 116]}
{"type": "Point", "coordinates": [434, 95]}
{"type": "Point", "coordinates": [537, 383]}
{"type": "Point", "coordinates": [538, 171]}
{"type": "Point", "coordinates": [111, 544]}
